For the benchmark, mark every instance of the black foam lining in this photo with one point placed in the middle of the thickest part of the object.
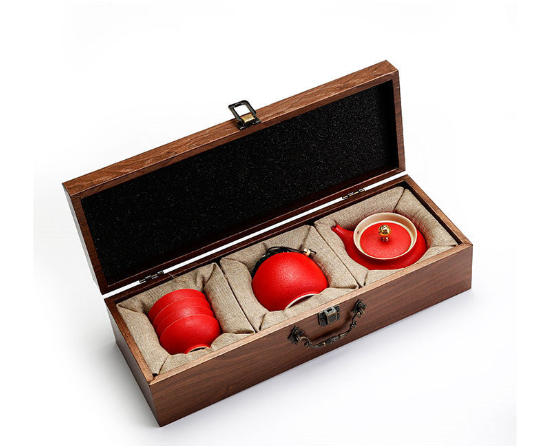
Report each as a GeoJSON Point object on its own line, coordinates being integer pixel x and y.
{"type": "Point", "coordinates": [174, 210]}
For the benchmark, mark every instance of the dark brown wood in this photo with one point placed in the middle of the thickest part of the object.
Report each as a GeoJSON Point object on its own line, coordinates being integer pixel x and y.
{"type": "Point", "coordinates": [227, 131]}
{"type": "Point", "coordinates": [267, 353]}
{"type": "Point", "coordinates": [435, 211]}
{"type": "Point", "coordinates": [86, 240]}
{"type": "Point", "coordinates": [146, 162]}
{"type": "Point", "coordinates": [260, 356]}
{"type": "Point", "coordinates": [134, 364]}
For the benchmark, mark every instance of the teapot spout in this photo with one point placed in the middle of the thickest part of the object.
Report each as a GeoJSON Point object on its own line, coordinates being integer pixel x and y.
{"type": "Point", "coordinates": [345, 235]}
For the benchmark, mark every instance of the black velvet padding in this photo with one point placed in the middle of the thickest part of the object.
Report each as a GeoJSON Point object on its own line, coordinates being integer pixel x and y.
{"type": "Point", "coordinates": [172, 211]}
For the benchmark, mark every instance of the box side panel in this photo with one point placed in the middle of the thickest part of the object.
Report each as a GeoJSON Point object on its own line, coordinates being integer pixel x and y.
{"type": "Point", "coordinates": [430, 205]}
{"type": "Point", "coordinates": [133, 365]}
{"type": "Point", "coordinates": [179, 393]}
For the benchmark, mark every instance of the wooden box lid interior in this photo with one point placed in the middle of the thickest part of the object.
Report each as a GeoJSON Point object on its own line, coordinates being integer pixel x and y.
{"type": "Point", "coordinates": [180, 200]}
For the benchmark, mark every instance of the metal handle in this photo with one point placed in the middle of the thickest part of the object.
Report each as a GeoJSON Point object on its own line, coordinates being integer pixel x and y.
{"type": "Point", "coordinates": [297, 334]}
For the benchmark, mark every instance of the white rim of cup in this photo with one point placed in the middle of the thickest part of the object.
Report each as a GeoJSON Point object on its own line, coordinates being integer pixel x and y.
{"type": "Point", "coordinates": [298, 299]}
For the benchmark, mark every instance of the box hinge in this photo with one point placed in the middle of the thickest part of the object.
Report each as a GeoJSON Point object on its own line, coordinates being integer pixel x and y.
{"type": "Point", "coordinates": [151, 277]}
{"type": "Point", "coordinates": [247, 119]}
{"type": "Point", "coordinates": [350, 194]}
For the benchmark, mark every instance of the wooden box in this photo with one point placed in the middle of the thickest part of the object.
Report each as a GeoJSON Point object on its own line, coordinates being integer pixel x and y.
{"type": "Point", "coordinates": [350, 132]}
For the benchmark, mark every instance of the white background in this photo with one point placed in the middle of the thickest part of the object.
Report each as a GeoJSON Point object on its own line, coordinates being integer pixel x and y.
{"type": "Point", "coordinates": [86, 84]}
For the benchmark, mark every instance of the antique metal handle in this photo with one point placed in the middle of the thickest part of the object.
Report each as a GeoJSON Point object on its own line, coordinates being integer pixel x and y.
{"type": "Point", "coordinates": [297, 334]}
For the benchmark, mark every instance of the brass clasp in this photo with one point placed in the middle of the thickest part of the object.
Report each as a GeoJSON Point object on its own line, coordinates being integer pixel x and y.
{"type": "Point", "coordinates": [247, 119]}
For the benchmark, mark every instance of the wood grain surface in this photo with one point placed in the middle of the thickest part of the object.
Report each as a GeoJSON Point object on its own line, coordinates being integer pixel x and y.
{"type": "Point", "coordinates": [258, 357]}
{"type": "Point", "coordinates": [268, 353]}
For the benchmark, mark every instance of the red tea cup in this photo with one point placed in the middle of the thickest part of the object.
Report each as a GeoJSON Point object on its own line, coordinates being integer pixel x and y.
{"type": "Point", "coordinates": [190, 333]}
{"type": "Point", "coordinates": [171, 297]}
{"type": "Point", "coordinates": [190, 302]}
{"type": "Point", "coordinates": [180, 313]}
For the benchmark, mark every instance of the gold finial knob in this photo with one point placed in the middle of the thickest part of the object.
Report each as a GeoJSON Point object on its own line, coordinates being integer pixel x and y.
{"type": "Point", "coordinates": [384, 232]}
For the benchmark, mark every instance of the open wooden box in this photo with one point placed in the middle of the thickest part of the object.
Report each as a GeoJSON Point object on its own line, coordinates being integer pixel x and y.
{"type": "Point", "coordinates": [182, 200]}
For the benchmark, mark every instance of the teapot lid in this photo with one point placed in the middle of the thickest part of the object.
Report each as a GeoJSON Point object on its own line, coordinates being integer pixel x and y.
{"type": "Point", "coordinates": [196, 194]}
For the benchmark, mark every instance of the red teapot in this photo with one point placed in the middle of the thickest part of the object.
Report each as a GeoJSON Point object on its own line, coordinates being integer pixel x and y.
{"type": "Point", "coordinates": [383, 241]}
{"type": "Point", "coordinates": [285, 276]}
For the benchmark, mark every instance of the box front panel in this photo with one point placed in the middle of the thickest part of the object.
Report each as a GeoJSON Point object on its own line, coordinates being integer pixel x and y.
{"type": "Point", "coordinates": [179, 393]}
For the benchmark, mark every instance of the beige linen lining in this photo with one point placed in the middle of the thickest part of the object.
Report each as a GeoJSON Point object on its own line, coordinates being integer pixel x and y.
{"type": "Point", "coordinates": [398, 200]}
{"type": "Point", "coordinates": [237, 268]}
{"type": "Point", "coordinates": [228, 285]}
{"type": "Point", "coordinates": [210, 280]}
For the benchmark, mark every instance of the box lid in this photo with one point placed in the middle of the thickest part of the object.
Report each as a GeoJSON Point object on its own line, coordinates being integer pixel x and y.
{"type": "Point", "coordinates": [180, 200]}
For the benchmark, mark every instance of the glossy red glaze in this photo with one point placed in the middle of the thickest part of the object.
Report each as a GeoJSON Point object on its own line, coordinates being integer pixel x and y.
{"type": "Point", "coordinates": [171, 297]}
{"type": "Point", "coordinates": [399, 241]}
{"type": "Point", "coordinates": [190, 302]}
{"type": "Point", "coordinates": [180, 313]}
{"type": "Point", "coordinates": [189, 333]}
{"type": "Point", "coordinates": [411, 257]}
{"type": "Point", "coordinates": [285, 278]}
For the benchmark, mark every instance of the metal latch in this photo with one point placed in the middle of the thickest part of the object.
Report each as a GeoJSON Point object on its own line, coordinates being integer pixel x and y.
{"type": "Point", "coordinates": [297, 334]}
{"type": "Point", "coordinates": [329, 315]}
{"type": "Point", "coordinates": [246, 120]}
{"type": "Point", "coordinates": [151, 277]}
